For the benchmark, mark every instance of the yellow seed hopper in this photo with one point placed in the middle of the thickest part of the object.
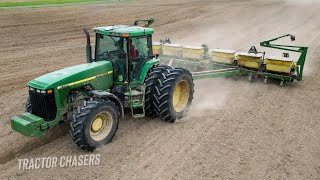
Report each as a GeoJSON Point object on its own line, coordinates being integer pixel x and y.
{"type": "Point", "coordinates": [279, 64]}
{"type": "Point", "coordinates": [222, 56]}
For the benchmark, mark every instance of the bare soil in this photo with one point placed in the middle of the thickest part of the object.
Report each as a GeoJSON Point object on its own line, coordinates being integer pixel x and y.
{"type": "Point", "coordinates": [235, 130]}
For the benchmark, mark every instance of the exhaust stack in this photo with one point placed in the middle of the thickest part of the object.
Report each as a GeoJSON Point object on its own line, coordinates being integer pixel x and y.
{"type": "Point", "coordinates": [88, 46]}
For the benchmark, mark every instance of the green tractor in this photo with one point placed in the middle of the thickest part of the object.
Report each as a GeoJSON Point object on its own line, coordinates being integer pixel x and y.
{"type": "Point", "coordinates": [124, 73]}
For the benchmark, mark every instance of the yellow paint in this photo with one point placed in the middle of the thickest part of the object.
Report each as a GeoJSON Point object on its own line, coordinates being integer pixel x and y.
{"type": "Point", "coordinates": [97, 124]}
{"type": "Point", "coordinates": [83, 80]}
{"type": "Point", "coordinates": [249, 61]}
{"type": "Point", "coordinates": [180, 96]}
{"type": "Point", "coordinates": [172, 50]}
{"type": "Point", "coordinates": [193, 52]}
{"type": "Point", "coordinates": [278, 65]}
{"type": "Point", "coordinates": [249, 64]}
{"type": "Point", "coordinates": [101, 126]}
{"type": "Point", "coordinates": [221, 56]}
{"type": "Point", "coordinates": [156, 49]}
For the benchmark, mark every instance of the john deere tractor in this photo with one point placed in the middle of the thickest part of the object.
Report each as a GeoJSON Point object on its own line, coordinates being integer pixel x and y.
{"type": "Point", "coordinates": [123, 73]}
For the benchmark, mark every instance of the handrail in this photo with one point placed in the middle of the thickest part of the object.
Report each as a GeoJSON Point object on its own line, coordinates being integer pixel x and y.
{"type": "Point", "coordinates": [147, 22]}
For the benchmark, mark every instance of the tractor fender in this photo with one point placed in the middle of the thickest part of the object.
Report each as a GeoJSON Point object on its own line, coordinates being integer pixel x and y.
{"type": "Point", "coordinates": [107, 95]}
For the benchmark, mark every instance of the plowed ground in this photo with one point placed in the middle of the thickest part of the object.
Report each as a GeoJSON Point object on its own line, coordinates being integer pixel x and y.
{"type": "Point", "coordinates": [235, 129]}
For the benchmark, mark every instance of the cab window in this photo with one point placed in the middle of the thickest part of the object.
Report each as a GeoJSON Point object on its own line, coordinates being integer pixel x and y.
{"type": "Point", "coordinates": [140, 52]}
{"type": "Point", "coordinates": [114, 49]}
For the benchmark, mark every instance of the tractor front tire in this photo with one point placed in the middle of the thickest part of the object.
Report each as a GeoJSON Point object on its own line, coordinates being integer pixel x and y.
{"type": "Point", "coordinates": [94, 124]}
{"type": "Point", "coordinates": [151, 82]}
{"type": "Point", "coordinates": [174, 94]}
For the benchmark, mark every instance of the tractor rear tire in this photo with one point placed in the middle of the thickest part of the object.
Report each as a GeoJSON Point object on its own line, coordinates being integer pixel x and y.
{"type": "Point", "coordinates": [174, 94]}
{"type": "Point", "coordinates": [94, 124]}
{"type": "Point", "coordinates": [151, 81]}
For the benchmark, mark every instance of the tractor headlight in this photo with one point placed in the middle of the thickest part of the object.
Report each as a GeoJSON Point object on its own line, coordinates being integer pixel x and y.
{"type": "Point", "coordinates": [49, 91]}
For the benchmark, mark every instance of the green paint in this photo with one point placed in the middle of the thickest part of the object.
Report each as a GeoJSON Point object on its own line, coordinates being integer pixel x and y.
{"type": "Point", "coordinates": [28, 124]}
{"type": "Point", "coordinates": [120, 30]}
{"type": "Point", "coordinates": [73, 74]}
{"type": "Point", "coordinates": [299, 49]}
{"type": "Point", "coordinates": [146, 67]}
{"type": "Point", "coordinates": [276, 76]}
{"type": "Point", "coordinates": [98, 75]}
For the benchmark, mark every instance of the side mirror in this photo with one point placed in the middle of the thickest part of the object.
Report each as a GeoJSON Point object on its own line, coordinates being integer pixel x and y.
{"type": "Point", "coordinates": [292, 37]}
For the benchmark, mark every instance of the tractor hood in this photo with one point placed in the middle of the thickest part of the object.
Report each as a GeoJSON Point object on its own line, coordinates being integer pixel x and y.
{"type": "Point", "coordinates": [72, 75]}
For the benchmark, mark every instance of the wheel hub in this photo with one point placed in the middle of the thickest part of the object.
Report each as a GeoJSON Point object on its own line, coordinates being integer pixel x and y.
{"type": "Point", "coordinates": [101, 126]}
{"type": "Point", "coordinates": [180, 96]}
{"type": "Point", "coordinates": [97, 124]}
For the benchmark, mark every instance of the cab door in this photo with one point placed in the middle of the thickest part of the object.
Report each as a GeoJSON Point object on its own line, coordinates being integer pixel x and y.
{"type": "Point", "coordinates": [140, 51]}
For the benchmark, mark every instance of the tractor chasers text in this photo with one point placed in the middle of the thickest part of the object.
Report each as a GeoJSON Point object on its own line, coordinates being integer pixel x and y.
{"type": "Point", "coordinates": [63, 161]}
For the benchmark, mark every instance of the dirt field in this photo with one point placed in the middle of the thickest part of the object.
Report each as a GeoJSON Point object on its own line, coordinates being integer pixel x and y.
{"type": "Point", "coordinates": [236, 129]}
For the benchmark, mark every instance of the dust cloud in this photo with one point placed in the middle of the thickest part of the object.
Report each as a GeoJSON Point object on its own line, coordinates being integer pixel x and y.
{"type": "Point", "coordinates": [214, 94]}
{"type": "Point", "coordinates": [297, 2]}
{"type": "Point", "coordinates": [210, 94]}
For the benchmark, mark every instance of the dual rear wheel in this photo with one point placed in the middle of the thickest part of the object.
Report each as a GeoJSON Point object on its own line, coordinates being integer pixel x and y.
{"type": "Point", "coordinates": [170, 93]}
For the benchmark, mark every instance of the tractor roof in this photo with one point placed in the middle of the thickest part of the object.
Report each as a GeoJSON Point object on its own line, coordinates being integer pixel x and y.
{"type": "Point", "coordinates": [123, 30]}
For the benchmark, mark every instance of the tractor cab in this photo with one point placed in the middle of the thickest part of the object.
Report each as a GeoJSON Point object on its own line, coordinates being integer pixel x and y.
{"type": "Point", "coordinates": [127, 47]}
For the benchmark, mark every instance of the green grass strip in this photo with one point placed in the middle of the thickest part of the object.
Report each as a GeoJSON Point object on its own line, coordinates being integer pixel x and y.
{"type": "Point", "coordinates": [48, 2]}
